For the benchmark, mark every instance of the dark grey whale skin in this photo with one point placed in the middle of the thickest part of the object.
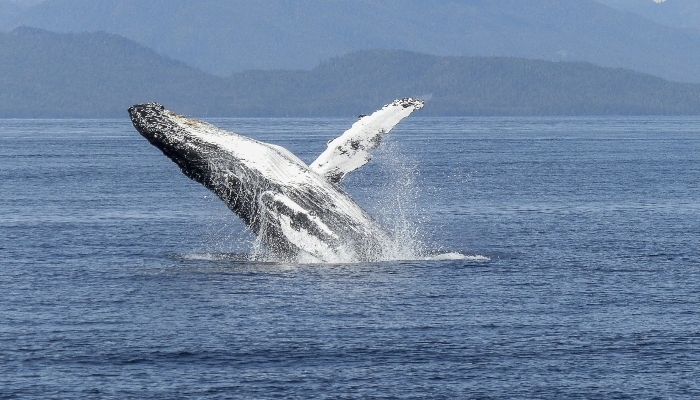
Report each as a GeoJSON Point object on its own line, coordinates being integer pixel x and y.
{"type": "Point", "coordinates": [255, 199]}
{"type": "Point", "coordinates": [151, 121]}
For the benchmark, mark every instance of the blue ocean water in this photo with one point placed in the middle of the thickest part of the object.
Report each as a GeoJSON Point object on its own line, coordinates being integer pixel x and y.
{"type": "Point", "coordinates": [120, 278]}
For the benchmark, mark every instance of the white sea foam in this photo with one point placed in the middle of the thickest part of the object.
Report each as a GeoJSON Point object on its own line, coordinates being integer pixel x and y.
{"type": "Point", "coordinates": [458, 256]}
{"type": "Point", "coordinates": [305, 258]}
{"type": "Point", "coordinates": [214, 256]}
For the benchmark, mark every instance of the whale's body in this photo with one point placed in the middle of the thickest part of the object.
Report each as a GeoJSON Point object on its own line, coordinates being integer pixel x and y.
{"type": "Point", "coordinates": [296, 210]}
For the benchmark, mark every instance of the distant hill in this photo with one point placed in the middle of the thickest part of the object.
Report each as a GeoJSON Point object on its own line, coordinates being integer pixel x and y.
{"type": "Point", "coordinates": [47, 74]}
{"type": "Point", "coordinates": [465, 86]}
{"type": "Point", "coordinates": [95, 74]}
{"type": "Point", "coordinates": [225, 36]}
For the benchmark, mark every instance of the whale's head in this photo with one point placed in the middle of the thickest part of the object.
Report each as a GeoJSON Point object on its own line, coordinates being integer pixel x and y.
{"type": "Point", "coordinates": [160, 127]}
{"type": "Point", "coordinates": [202, 153]}
{"type": "Point", "coordinates": [145, 117]}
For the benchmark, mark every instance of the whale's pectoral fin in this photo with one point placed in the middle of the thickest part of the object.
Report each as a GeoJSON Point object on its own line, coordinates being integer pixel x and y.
{"type": "Point", "coordinates": [300, 228]}
{"type": "Point", "coordinates": [351, 150]}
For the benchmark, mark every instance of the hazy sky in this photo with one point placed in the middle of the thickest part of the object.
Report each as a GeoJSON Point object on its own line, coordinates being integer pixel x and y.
{"type": "Point", "coordinates": [33, 2]}
{"type": "Point", "coordinates": [28, 2]}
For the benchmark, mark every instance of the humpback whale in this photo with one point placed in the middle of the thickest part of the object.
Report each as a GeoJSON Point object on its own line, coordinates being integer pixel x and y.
{"type": "Point", "coordinates": [297, 210]}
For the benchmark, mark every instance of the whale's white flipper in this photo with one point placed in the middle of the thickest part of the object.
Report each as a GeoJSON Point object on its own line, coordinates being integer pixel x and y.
{"type": "Point", "coordinates": [351, 150]}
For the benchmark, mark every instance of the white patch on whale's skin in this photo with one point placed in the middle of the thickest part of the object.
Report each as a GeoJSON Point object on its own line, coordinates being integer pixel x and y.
{"type": "Point", "coordinates": [351, 150]}
{"type": "Point", "coordinates": [274, 162]}
{"type": "Point", "coordinates": [304, 229]}
{"type": "Point", "coordinates": [311, 244]}
{"type": "Point", "coordinates": [298, 209]}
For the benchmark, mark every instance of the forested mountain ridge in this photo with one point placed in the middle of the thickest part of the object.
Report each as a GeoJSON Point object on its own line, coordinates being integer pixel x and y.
{"type": "Point", "coordinates": [47, 74]}
{"type": "Point", "coordinates": [225, 36]}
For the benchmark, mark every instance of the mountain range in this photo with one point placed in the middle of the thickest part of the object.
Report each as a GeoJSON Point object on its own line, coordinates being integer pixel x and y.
{"type": "Point", "coordinates": [222, 37]}
{"type": "Point", "coordinates": [47, 74]}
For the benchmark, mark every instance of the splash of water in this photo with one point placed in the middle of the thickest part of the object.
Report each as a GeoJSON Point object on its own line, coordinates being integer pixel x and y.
{"type": "Point", "coordinates": [395, 204]}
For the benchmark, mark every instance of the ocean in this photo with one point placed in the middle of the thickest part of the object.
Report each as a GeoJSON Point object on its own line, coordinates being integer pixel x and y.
{"type": "Point", "coordinates": [558, 258]}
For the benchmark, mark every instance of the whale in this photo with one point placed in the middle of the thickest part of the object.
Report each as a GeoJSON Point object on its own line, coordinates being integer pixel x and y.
{"type": "Point", "coordinates": [297, 211]}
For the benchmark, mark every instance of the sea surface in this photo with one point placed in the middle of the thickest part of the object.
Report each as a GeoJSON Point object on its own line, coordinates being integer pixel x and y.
{"type": "Point", "coordinates": [561, 261]}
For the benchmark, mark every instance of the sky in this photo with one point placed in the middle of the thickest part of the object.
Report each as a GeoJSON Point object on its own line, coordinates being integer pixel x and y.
{"type": "Point", "coordinates": [33, 2]}
{"type": "Point", "coordinates": [28, 2]}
